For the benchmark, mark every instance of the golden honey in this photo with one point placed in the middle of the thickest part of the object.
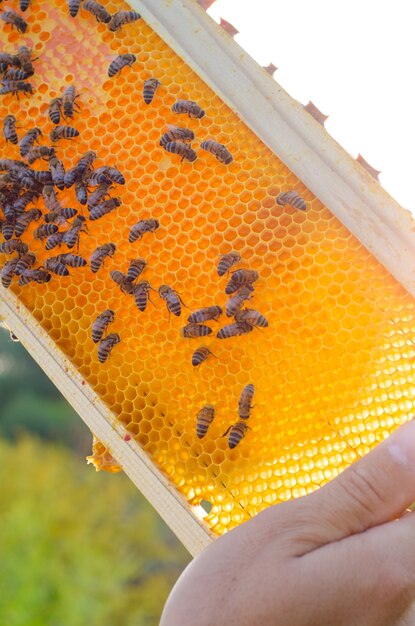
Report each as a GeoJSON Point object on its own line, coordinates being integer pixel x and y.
{"type": "Point", "coordinates": [333, 372]}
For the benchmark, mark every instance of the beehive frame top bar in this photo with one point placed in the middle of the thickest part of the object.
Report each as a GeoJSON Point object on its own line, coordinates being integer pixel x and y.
{"type": "Point", "coordinates": [359, 202]}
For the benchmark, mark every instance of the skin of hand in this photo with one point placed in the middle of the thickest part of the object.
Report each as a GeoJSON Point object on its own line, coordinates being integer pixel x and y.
{"type": "Point", "coordinates": [341, 556]}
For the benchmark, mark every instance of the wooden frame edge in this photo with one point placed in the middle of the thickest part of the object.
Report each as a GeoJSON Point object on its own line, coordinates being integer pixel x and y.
{"type": "Point", "coordinates": [184, 520]}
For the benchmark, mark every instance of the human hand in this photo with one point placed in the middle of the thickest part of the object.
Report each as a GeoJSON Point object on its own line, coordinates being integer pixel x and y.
{"type": "Point", "coordinates": [342, 556]}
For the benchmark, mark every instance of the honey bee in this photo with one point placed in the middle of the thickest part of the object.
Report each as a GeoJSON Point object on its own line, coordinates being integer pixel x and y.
{"type": "Point", "coordinates": [21, 203]}
{"type": "Point", "coordinates": [25, 219]}
{"type": "Point", "coordinates": [236, 433]}
{"type": "Point", "coordinates": [106, 174]}
{"type": "Point", "coordinates": [9, 129]}
{"type": "Point", "coordinates": [15, 87]}
{"type": "Point", "coordinates": [120, 62]}
{"type": "Point", "coordinates": [143, 226]}
{"type": "Point", "coordinates": [141, 293]}
{"type": "Point", "coordinates": [54, 110]}
{"type": "Point", "coordinates": [122, 281]}
{"type": "Point", "coordinates": [98, 195]}
{"type": "Point", "coordinates": [293, 199]}
{"type": "Point", "coordinates": [69, 101]}
{"type": "Point", "coordinates": [245, 402]}
{"type": "Point", "coordinates": [71, 237]}
{"type": "Point", "coordinates": [101, 324]}
{"type": "Point", "coordinates": [74, 7]}
{"type": "Point", "coordinates": [227, 261]}
{"type": "Point", "coordinates": [24, 4]}
{"type": "Point", "coordinates": [106, 345]}
{"type": "Point", "coordinates": [235, 303]}
{"type": "Point", "coordinates": [13, 245]}
{"type": "Point", "coordinates": [98, 11]}
{"type": "Point", "coordinates": [73, 260]}
{"type": "Point", "coordinates": [7, 272]}
{"type": "Point", "coordinates": [149, 89]}
{"type": "Point", "coordinates": [252, 317]}
{"type": "Point", "coordinates": [26, 261]}
{"type": "Point", "coordinates": [241, 278]}
{"type": "Point", "coordinates": [27, 141]}
{"type": "Point", "coordinates": [182, 149]}
{"type": "Point", "coordinates": [188, 107]}
{"type": "Point", "coordinates": [234, 330]}
{"type": "Point", "coordinates": [192, 331]}
{"type": "Point", "coordinates": [77, 172]}
{"type": "Point", "coordinates": [63, 132]}
{"type": "Point", "coordinates": [204, 419]}
{"type": "Point", "coordinates": [40, 152]}
{"type": "Point", "coordinates": [54, 265]}
{"type": "Point", "coordinates": [57, 172]}
{"type": "Point", "coordinates": [41, 176]}
{"type": "Point", "coordinates": [54, 240]}
{"type": "Point", "coordinates": [171, 298]}
{"type": "Point", "coordinates": [7, 228]}
{"type": "Point", "coordinates": [97, 257]}
{"type": "Point", "coordinates": [16, 73]}
{"type": "Point", "coordinates": [200, 355]}
{"type": "Point", "coordinates": [205, 314]}
{"type": "Point", "coordinates": [104, 208]}
{"type": "Point", "coordinates": [135, 268]}
{"type": "Point", "coordinates": [14, 19]}
{"type": "Point", "coordinates": [60, 215]}
{"type": "Point", "coordinates": [51, 201]}
{"type": "Point", "coordinates": [218, 150]}
{"type": "Point", "coordinates": [45, 230]}
{"type": "Point", "coordinates": [176, 133]}
{"type": "Point", "coordinates": [122, 17]}
{"type": "Point", "coordinates": [81, 192]}
{"type": "Point", "coordinates": [38, 276]}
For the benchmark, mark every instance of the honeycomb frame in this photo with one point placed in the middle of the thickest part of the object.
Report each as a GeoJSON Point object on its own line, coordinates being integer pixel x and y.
{"type": "Point", "coordinates": [307, 150]}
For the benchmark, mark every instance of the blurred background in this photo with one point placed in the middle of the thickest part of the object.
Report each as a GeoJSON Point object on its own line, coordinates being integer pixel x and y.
{"type": "Point", "coordinates": [76, 546]}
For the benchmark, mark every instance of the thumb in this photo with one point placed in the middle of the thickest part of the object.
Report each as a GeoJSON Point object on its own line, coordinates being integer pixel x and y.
{"type": "Point", "coordinates": [376, 489]}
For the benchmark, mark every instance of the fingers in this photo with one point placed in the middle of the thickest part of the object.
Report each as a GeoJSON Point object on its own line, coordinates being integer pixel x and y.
{"type": "Point", "coordinates": [374, 490]}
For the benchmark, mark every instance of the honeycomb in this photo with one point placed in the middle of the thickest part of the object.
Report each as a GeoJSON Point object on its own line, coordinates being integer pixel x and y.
{"type": "Point", "coordinates": [334, 370]}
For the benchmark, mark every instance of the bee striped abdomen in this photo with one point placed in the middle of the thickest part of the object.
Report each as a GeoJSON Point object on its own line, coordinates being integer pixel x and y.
{"type": "Point", "coordinates": [182, 149]}
{"type": "Point", "coordinates": [205, 314]}
{"type": "Point", "coordinates": [149, 89]}
{"type": "Point", "coordinates": [106, 345]}
{"type": "Point", "coordinates": [293, 199]}
{"type": "Point", "coordinates": [120, 62]}
{"type": "Point", "coordinates": [192, 330]}
{"type": "Point", "coordinates": [122, 17]}
{"type": "Point", "coordinates": [200, 355]}
{"type": "Point", "coordinates": [188, 107]}
{"type": "Point", "coordinates": [234, 330]}
{"type": "Point", "coordinates": [218, 150]}
{"type": "Point", "coordinates": [237, 433]}
{"type": "Point", "coordinates": [101, 324]}
{"type": "Point", "coordinates": [204, 419]}
{"type": "Point", "coordinates": [245, 402]}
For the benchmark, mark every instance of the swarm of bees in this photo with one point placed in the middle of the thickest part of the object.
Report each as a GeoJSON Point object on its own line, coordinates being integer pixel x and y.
{"type": "Point", "coordinates": [20, 186]}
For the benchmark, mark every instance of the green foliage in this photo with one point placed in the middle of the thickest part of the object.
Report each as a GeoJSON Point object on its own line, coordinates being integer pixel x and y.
{"type": "Point", "coordinates": [31, 403]}
{"type": "Point", "coordinates": [78, 547]}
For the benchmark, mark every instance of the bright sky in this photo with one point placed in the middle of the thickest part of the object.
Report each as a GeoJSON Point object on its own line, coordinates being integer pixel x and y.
{"type": "Point", "coordinates": [355, 60]}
